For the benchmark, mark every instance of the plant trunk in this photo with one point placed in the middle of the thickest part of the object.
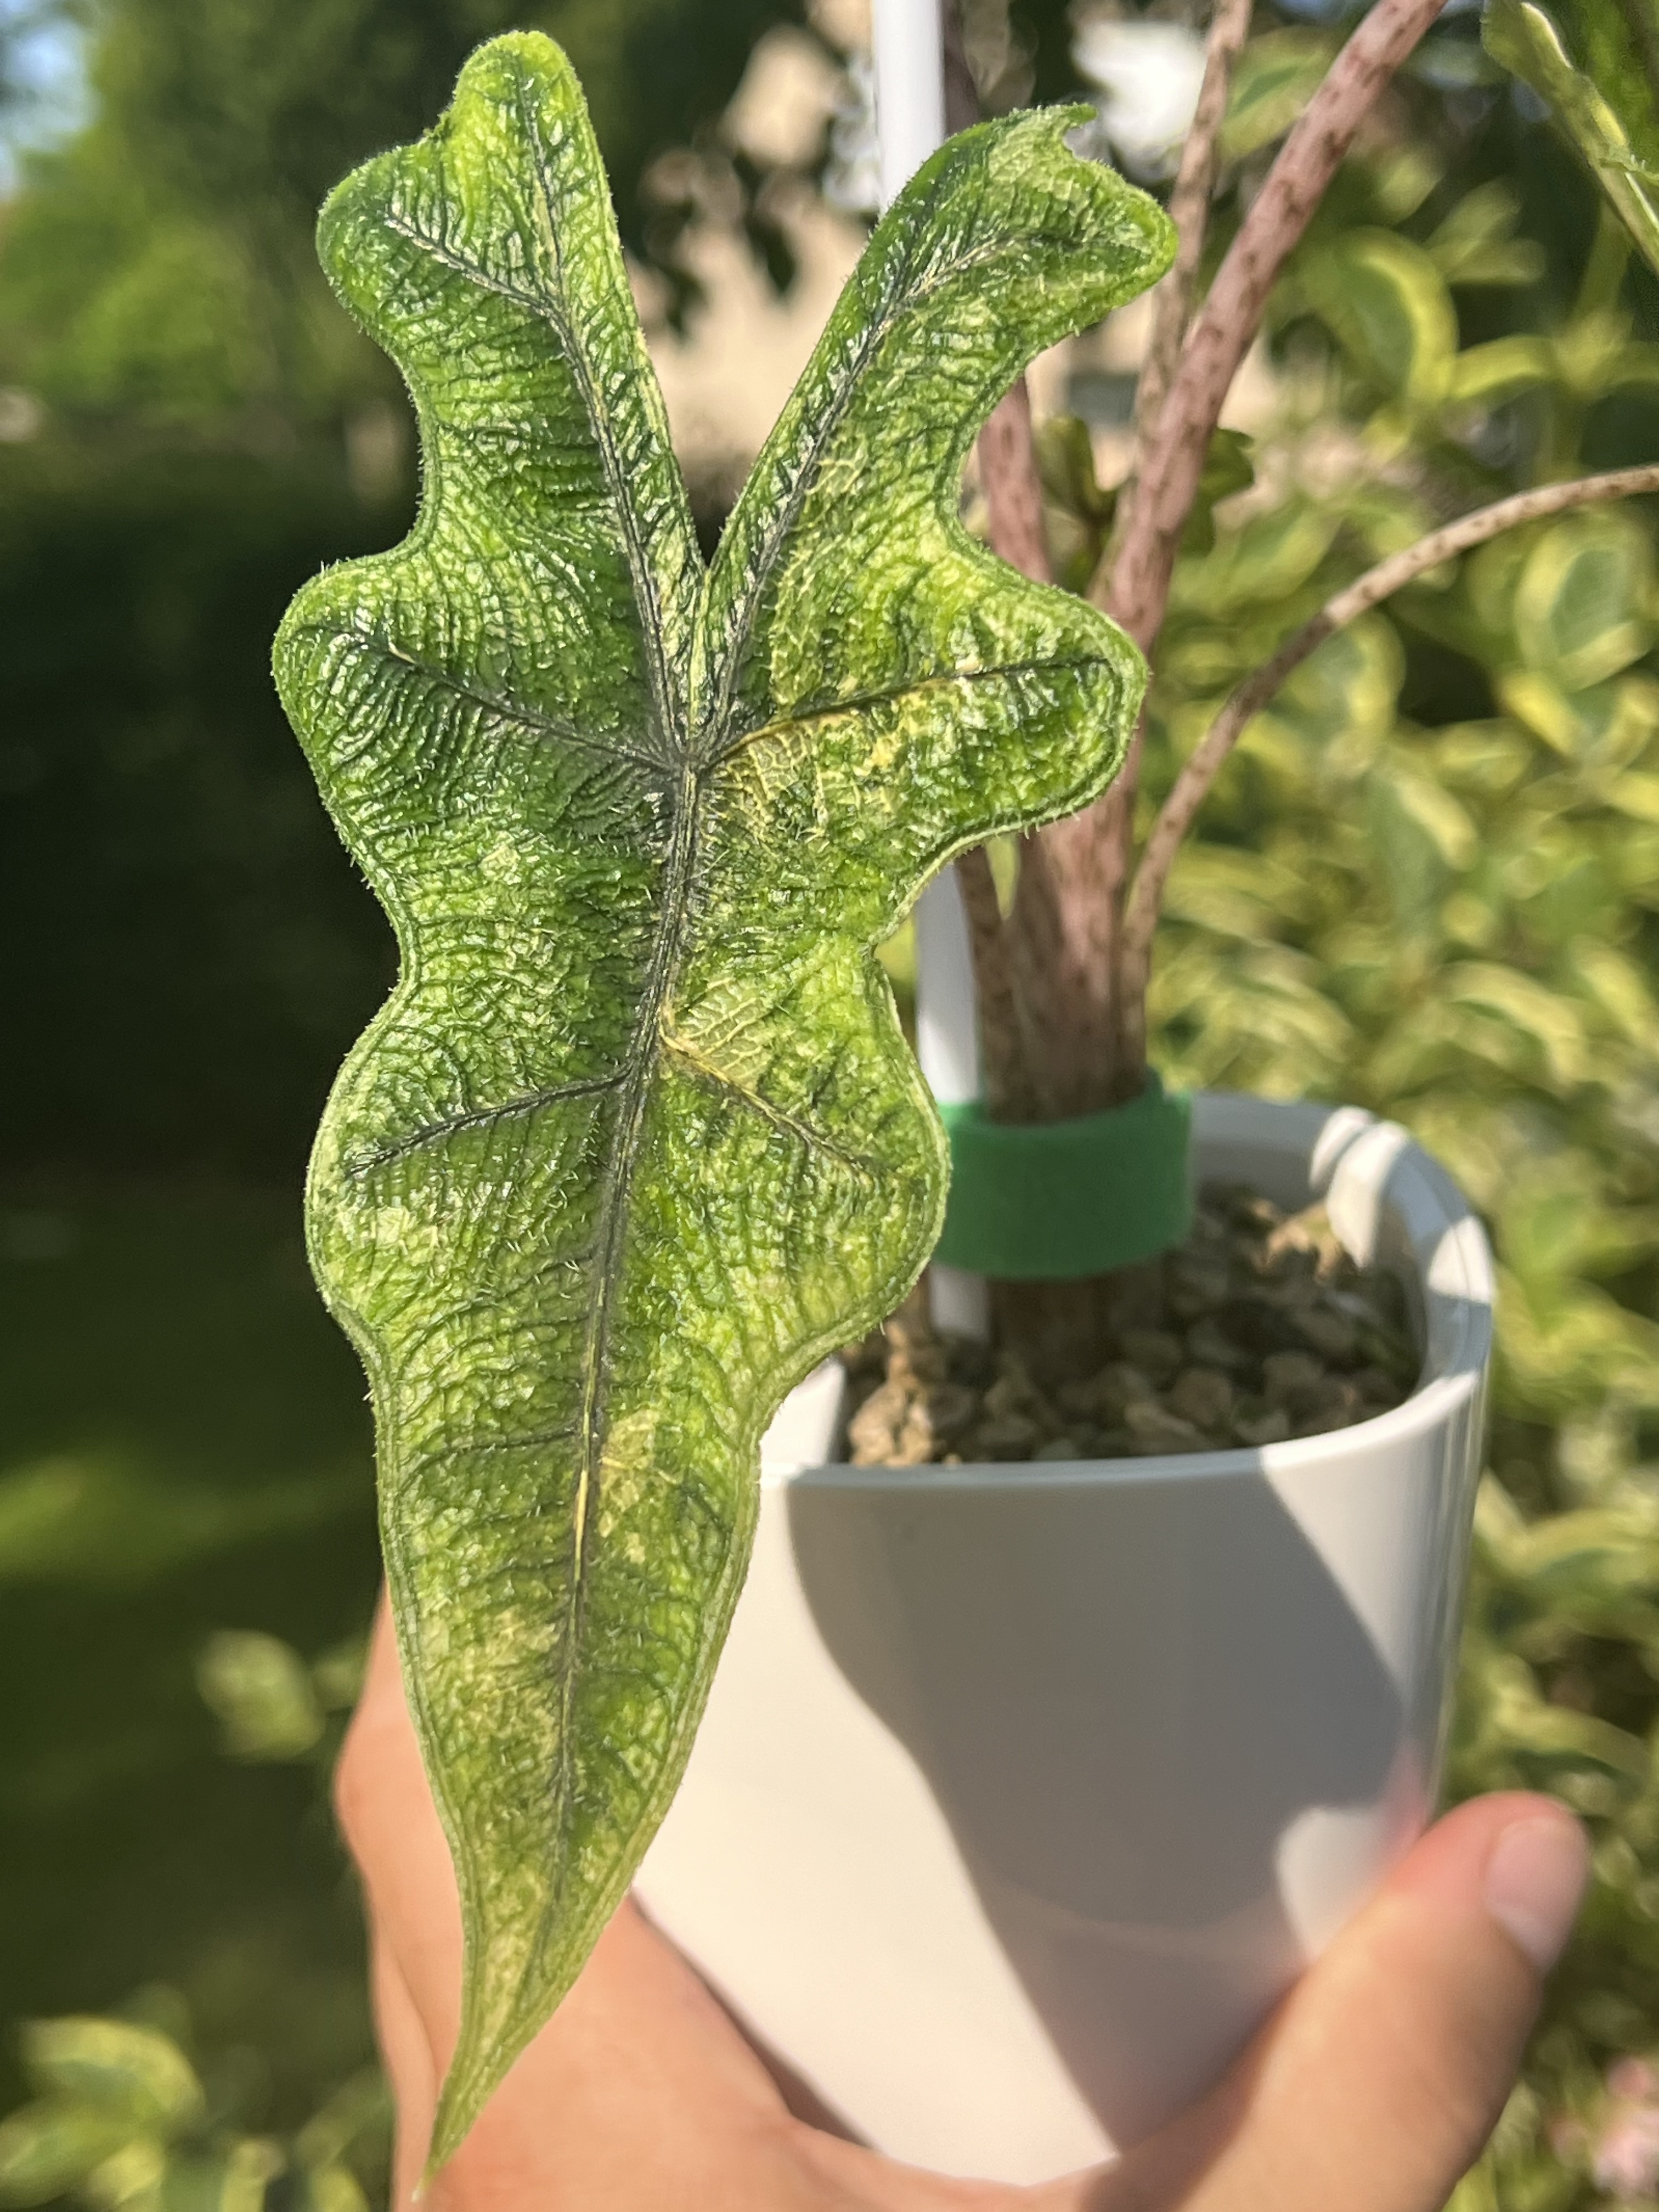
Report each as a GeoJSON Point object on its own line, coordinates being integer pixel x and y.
{"type": "Point", "coordinates": [1041, 972]}
{"type": "Point", "coordinates": [1061, 992]}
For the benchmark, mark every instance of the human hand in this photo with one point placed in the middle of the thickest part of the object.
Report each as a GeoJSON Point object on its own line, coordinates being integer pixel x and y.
{"type": "Point", "coordinates": [1371, 2088]}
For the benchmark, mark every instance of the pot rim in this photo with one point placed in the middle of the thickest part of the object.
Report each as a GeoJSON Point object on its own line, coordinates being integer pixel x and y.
{"type": "Point", "coordinates": [1374, 1166]}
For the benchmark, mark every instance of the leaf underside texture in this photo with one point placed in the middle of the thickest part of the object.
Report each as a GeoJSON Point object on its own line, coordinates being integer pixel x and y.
{"type": "Point", "coordinates": [638, 1139]}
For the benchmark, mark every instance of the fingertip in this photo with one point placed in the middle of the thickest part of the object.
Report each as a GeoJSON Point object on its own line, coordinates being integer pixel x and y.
{"type": "Point", "coordinates": [1520, 1859]}
{"type": "Point", "coordinates": [1377, 2082]}
{"type": "Point", "coordinates": [1535, 1881]}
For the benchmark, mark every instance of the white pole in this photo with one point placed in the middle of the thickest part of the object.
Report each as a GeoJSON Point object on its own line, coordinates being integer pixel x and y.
{"type": "Point", "coordinates": [910, 122]}
{"type": "Point", "coordinates": [910, 89]}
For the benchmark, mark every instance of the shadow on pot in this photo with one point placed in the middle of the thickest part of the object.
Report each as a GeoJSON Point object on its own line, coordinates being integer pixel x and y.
{"type": "Point", "coordinates": [1141, 1708]}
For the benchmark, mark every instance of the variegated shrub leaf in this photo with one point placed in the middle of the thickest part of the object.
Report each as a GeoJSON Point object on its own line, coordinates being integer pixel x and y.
{"type": "Point", "coordinates": [637, 1140]}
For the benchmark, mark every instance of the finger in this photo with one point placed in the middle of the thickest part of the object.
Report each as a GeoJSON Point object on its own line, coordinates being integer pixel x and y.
{"type": "Point", "coordinates": [661, 2103]}
{"type": "Point", "coordinates": [385, 1808]}
{"type": "Point", "coordinates": [410, 2069]}
{"type": "Point", "coordinates": [1377, 2083]}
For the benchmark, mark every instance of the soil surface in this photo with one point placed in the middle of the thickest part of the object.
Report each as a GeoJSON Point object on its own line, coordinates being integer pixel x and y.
{"type": "Point", "coordinates": [1259, 1327]}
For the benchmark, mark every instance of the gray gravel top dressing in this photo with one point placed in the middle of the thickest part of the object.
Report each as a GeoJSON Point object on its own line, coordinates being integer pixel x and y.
{"type": "Point", "coordinates": [1259, 1327]}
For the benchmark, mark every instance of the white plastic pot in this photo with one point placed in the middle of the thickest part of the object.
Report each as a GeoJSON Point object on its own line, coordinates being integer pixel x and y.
{"type": "Point", "coordinates": [1025, 1792]}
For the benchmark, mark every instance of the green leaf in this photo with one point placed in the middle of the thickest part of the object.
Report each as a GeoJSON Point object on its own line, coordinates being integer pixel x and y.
{"type": "Point", "coordinates": [1403, 175]}
{"type": "Point", "coordinates": [1276, 77]}
{"type": "Point", "coordinates": [1259, 564]}
{"type": "Point", "coordinates": [51, 2147]}
{"type": "Point", "coordinates": [1637, 795]}
{"type": "Point", "coordinates": [1423, 838]}
{"type": "Point", "coordinates": [1486, 759]}
{"type": "Point", "coordinates": [1617, 48]}
{"type": "Point", "coordinates": [1555, 1229]}
{"type": "Point", "coordinates": [262, 1691]}
{"type": "Point", "coordinates": [237, 2177]}
{"type": "Point", "coordinates": [1066, 463]}
{"type": "Point", "coordinates": [1527, 42]}
{"type": "Point", "coordinates": [1476, 244]}
{"type": "Point", "coordinates": [1538, 700]}
{"type": "Point", "coordinates": [359, 2111]}
{"type": "Point", "coordinates": [1580, 605]}
{"type": "Point", "coordinates": [1390, 308]}
{"type": "Point", "coordinates": [1548, 1024]}
{"type": "Point", "coordinates": [637, 1140]}
{"type": "Point", "coordinates": [332, 2188]}
{"type": "Point", "coordinates": [1575, 1349]}
{"type": "Point", "coordinates": [1483, 375]}
{"type": "Point", "coordinates": [1229, 467]}
{"type": "Point", "coordinates": [140, 2177]}
{"type": "Point", "coordinates": [136, 2072]}
{"type": "Point", "coordinates": [1342, 700]}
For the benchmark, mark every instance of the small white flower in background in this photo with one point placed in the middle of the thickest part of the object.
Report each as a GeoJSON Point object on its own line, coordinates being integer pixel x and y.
{"type": "Point", "coordinates": [22, 416]}
{"type": "Point", "coordinates": [1626, 2157]}
{"type": "Point", "coordinates": [1148, 75]}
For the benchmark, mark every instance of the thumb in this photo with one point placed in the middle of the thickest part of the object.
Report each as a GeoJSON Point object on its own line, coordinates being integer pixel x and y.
{"type": "Point", "coordinates": [1379, 2079]}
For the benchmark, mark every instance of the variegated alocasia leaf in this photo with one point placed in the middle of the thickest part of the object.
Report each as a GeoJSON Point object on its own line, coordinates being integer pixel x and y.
{"type": "Point", "coordinates": [638, 1139]}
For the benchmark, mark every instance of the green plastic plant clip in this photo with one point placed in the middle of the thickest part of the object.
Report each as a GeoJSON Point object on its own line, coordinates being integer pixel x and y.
{"type": "Point", "coordinates": [1052, 1201]}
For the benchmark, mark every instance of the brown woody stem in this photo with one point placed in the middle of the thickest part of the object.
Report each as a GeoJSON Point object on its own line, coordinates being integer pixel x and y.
{"type": "Point", "coordinates": [1088, 859]}
{"type": "Point", "coordinates": [1001, 1062]}
{"type": "Point", "coordinates": [1013, 493]}
{"type": "Point", "coordinates": [1231, 317]}
{"type": "Point", "coordinates": [1189, 211]}
{"type": "Point", "coordinates": [1193, 785]}
{"type": "Point", "coordinates": [1220, 337]}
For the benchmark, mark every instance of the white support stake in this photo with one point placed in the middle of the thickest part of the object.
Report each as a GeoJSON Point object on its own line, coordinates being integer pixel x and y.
{"type": "Point", "coordinates": [910, 121]}
{"type": "Point", "coordinates": [909, 89]}
{"type": "Point", "coordinates": [947, 1045]}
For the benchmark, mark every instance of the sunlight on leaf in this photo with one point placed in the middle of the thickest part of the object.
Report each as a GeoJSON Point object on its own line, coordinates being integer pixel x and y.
{"type": "Point", "coordinates": [1387, 304]}
{"type": "Point", "coordinates": [50, 2148]}
{"type": "Point", "coordinates": [262, 1692]}
{"type": "Point", "coordinates": [1277, 76]}
{"type": "Point", "coordinates": [638, 1139]}
{"type": "Point", "coordinates": [1581, 608]}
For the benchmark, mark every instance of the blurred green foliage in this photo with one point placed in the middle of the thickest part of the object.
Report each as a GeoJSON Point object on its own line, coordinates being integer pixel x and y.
{"type": "Point", "coordinates": [163, 264]}
{"type": "Point", "coordinates": [185, 1449]}
{"type": "Point", "coordinates": [272, 1704]}
{"type": "Point", "coordinates": [122, 2122]}
{"type": "Point", "coordinates": [120, 2117]}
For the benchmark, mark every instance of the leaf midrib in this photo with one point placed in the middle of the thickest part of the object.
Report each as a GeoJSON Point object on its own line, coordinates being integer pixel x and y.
{"type": "Point", "coordinates": [638, 564]}
{"type": "Point", "coordinates": [640, 1065]}
{"type": "Point", "coordinates": [638, 1080]}
{"type": "Point", "coordinates": [640, 1069]}
{"type": "Point", "coordinates": [789, 513]}
{"type": "Point", "coordinates": [858, 703]}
